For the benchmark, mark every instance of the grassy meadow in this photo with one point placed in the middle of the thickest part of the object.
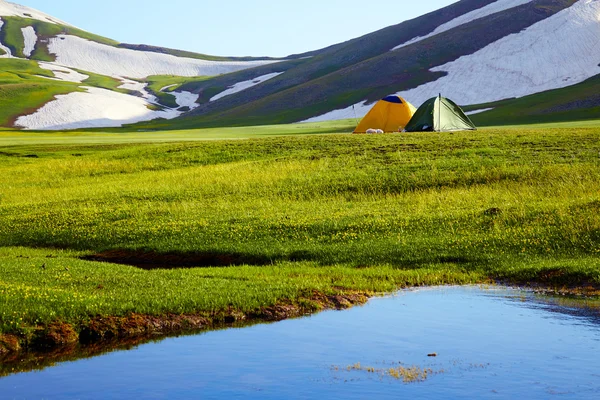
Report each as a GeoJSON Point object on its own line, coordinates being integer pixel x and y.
{"type": "Point", "coordinates": [275, 213]}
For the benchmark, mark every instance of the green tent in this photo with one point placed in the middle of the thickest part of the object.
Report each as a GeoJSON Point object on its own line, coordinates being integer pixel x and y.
{"type": "Point", "coordinates": [439, 114]}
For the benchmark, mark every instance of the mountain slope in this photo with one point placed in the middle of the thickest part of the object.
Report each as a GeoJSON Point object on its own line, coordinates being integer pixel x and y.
{"type": "Point", "coordinates": [478, 52]}
{"type": "Point", "coordinates": [103, 67]}
{"type": "Point", "coordinates": [25, 86]}
{"type": "Point", "coordinates": [412, 66]}
{"type": "Point", "coordinates": [573, 103]}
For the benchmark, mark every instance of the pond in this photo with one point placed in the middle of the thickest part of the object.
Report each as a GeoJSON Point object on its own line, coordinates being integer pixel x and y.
{"type": "Point", "coordinates": [492, 343]}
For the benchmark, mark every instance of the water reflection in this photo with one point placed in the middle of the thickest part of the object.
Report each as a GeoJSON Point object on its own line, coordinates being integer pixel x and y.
{"type": "Point", "coordinates": [571, 309]}
{"type": "Point", "coordinates": [490, 343]}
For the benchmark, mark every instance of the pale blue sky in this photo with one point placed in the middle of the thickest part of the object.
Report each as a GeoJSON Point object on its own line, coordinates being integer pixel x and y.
{"type": "Point", "coordinates": [235, 27]}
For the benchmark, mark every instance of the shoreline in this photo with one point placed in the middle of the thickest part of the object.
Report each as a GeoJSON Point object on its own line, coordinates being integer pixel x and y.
{"type": "Point", "coordinates": [58, 341]}
{"type": "Point", "coordinates": [112, 330]}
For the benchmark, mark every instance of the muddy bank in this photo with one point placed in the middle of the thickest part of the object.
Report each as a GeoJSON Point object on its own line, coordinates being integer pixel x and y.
{"type": "Point", "coordinates": [58, 342]}
{"type": "Point", "coordinates": [62, 341]}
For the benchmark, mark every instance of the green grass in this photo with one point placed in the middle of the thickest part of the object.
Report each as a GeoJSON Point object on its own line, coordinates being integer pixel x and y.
{"type": "Point", "coordinates": [103, 82]}
{"type": "Point", "coordinates": [12, 37]}
{"type": "Point", "coordinates": [119, 135]}
{"type": "Point", "coordinates": [309, 212]}
{"type": "Point", "coordinates": [39, 290]}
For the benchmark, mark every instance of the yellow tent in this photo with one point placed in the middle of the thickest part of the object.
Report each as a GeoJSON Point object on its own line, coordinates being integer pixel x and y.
{"type": "Point", "coordinates": [390, 115]}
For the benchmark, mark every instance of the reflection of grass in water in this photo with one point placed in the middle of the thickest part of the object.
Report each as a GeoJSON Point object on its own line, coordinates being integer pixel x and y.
{"type": "Point", "coordinates": [406, 374]}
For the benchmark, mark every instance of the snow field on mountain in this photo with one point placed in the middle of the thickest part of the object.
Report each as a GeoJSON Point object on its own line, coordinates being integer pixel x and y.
{"type": "Point", "coordinates": [93, 108]}
{"type": "Point", "coordinates": [99, 107]}
{"type": "Point", "coordinates": [556, 52]}
{"type": "Point", "coordinates": [478, 111]}
{"type": "Point", "coordinates": [83, 54]}
{"type": "Point", "coordinates": [492, 8]}
{"type": "Point", "coordinates": [357, 110]}
{"type": "Point", "coordinates": [130, 84]}
{"type": "Point", "coordinates": [240, 86]}
{"type": "Point", "coordinates": [16, 10]}
{"type": "Point", "coordinates": [30, 39]}
{"type": "Point", "coordinates": [64, 73]}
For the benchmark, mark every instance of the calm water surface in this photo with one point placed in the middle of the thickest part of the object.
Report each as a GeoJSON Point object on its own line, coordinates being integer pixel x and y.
{"type": "Point", "coordinates": [491, 343]}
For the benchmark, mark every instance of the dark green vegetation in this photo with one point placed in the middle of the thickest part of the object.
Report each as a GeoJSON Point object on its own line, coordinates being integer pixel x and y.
{"type": "Point", "coordinates": [251, 223]}
{"type": "Point", "coordinates": [212, 86]}
{"type": "Point", "coordinates": [342, 75]}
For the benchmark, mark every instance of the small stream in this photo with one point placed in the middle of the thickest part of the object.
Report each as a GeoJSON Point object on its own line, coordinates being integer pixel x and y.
{"type": "Point", "coordinates": [494, 343]}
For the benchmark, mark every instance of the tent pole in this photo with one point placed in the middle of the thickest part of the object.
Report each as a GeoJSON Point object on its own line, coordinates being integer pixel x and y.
{"type": "Point", "coordinates": [439, 112]}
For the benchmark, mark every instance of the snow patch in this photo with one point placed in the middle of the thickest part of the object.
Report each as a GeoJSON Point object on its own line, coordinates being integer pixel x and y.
{"type": "Point", "coordinates": [63, 73]}
{"type": "Point", "coordinates": [492, 8]}
{"type": "Point", "coordinates": [478, 111]}
{"type": "Point", "coordinates": [140, 87]}
{"type": "Point", "coordinates": [168, 87]}
{"type": "Point", "coordinates": [92, 109]}
{"type": "Point", "coordinates": [238, 87]}
{"type": "Point", "coordinates": [9, 9]}
{"type": "Point", "coordinates": [30, 39]}
{"type": "Point", "coordinates": [186, 99]}
{"type": "Point", "coordinates": [357, 111]}
{"type": "Point", "coordinates": [556, 52]}
{"type": "Point", "coordinates": [129, 84]}
{"type": "Point", "coordinates": [95, 57]}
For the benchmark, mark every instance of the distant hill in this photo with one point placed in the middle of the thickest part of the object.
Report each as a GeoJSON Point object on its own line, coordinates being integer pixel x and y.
{"type": "Point", "coordinates": [474, 51]}
{"type": "Point", "coordinates": [499, 58]}
{"type": "Point", "coordinates": [99, 82]}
